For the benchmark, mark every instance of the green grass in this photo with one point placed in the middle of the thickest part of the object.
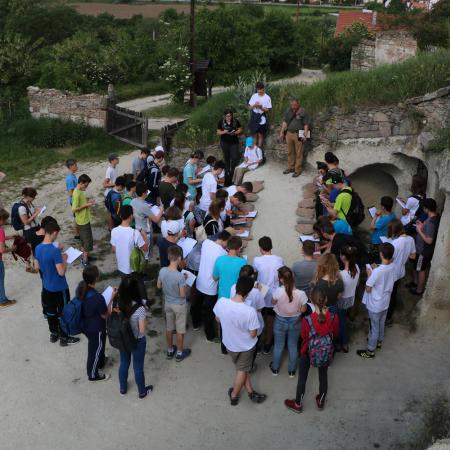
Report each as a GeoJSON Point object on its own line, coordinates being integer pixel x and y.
{"type": "Point", "coordinates": [383, 85]}
{"type": "Point", "coordinates": [172, 109]}
{"type": "Point", "coordinates": [144, 89]}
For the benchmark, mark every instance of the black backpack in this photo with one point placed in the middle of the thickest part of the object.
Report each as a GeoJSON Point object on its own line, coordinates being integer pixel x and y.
{"type": "Point", "coordinates": [16, 222]}
{"type": "Point", "coordinates": [119, 330]}
{"type": "Point", "coordinates": [143, 175]}
{"type": "Point", "coordinates": [356, 213]}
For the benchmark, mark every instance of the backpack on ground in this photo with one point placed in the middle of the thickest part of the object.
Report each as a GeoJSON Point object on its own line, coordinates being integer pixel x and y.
{"type": "Point", "coordinates": [113, 202]}
{"type": "Point", "coordinates": [70, 320]}
{"type": "Point", "coordinates": [119, 330]}
{"type": "Point", "coordinates": [137, 258]}
{"type": "Point", "coordinates": [16, 222]}
{"type": "Point", "coordinates": [356, 213]}
{"type": "Point", "coordinates": [320, 348]}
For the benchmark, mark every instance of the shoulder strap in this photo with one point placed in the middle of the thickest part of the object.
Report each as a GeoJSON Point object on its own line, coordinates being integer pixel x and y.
{"type": "Point", "coordinates": [311, 327]}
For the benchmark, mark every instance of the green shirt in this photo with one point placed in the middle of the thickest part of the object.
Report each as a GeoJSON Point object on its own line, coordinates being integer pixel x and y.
{"type": "Point", "coordinates": [82, 217]}
{"type": "Point", "coordinates": [342, 205]}
{"type": "Point", "coordinates": [296, 121]}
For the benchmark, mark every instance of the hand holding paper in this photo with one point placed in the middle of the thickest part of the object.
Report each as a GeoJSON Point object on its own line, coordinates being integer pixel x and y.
{"type": "Point", "coordinates": [72, 254]}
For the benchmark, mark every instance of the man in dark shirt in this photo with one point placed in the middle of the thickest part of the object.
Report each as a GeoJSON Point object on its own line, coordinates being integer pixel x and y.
{"type": "Point", "coordinates": [173, 235]}
{"type": "Point", "coordinates": [167, 187]}
{"type": "Point", "coordinates": [229, 130]}
{"type": "Point", "coordinates": [295, 121]}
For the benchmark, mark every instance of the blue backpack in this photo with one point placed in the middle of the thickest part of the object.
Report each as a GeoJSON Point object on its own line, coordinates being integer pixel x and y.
{"type": "Point", "coordinates": [70, 320]}
{"type": "Point", "coordinates": [320, 348]}
{"type": "Point", "coordinates": [15, 217]}
{"type": "Point", "coordinates": [113, 202]}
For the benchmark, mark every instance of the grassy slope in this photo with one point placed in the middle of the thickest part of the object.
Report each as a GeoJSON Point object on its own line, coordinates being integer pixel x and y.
{"type": "Point", "coordinates": [380, 86]}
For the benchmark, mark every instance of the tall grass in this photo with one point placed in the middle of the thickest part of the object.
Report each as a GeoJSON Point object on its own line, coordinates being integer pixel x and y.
{"type": "Point", "coordinates": [383, 85]}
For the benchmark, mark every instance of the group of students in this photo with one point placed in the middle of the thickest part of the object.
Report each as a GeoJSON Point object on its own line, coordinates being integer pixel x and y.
{"type": "Point", "coordinates": [247, 308]}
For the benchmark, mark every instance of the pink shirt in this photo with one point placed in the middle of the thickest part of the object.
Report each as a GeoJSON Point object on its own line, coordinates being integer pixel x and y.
{"type": "Point", "coordinates": [284, 308]}
{"type": "Point", "coordinates": [2, 239]}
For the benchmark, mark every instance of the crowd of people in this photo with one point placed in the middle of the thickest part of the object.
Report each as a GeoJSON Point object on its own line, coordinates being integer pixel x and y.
{"type": "Point", "coordinates": [200, 222]}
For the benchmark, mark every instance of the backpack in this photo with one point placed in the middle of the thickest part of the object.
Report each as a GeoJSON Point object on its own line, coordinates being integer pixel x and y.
{"type": "Point", "coordinates": [119, 330]}
{"type": "Point", "coordinates": [355, 214]}
{"type": "Point", "coordinates": [137, 259]}
{"type": "Point", "coordinates": [23, 249]}
{"type": "Point", "coordinates": [193, 259]}
{"type": "Point", "coordinates": [143, 175]}
{"type": "Point", "coordinates": [15, 217]}
{"type": "Point", "coordinates": [320, 348]}
{"type": "Point", "coordinates": [420, 213]}
{"type": "Point", "coordinates": [200, 231]}
{"type": "Point", "coordinates": [110, 200]}
{"type": "Point", "coordinates": [70, 319]}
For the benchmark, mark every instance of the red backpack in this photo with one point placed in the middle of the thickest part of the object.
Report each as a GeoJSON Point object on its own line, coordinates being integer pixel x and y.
{"type": "Point", "coordinates": [23, 250]}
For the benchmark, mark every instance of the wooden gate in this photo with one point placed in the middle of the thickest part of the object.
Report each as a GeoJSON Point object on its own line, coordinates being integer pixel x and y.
{"type": "Point", "coordinates": [127, 125]}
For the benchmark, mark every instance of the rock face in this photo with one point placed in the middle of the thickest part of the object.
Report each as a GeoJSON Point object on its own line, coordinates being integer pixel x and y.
{"type": "Point", "coordinates": [88, 108]}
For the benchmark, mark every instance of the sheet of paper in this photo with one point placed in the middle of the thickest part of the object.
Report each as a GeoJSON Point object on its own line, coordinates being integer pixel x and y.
{"type": "Point", "coordinates": [263, 288]}
{"type": "Point", "coordinates": [372, 211]}
{"type": "Point", "coordinates": [245, 257]}
{"type": "Point", "coordinates": [403, 205]}
{"type": "Point", "coordinates": [243, 234]}
{"type": "Point", "coordinates": [72, 254]}
{"type": "Point", "coordinates": [187, 244]}
{"type": "Point", "coordinates": [304, 237]}
{"type": "Point", "coordinates": [107, 294]}
{"type": "Point", "coordinates": [155, 210]}
{"type": "Point", "coordinates": [369, 267]}
{"type": "Point", "coordinates": [205, 169]}
{"type": "Point", "coordinates": [250, 215]}
{"type": "Point", "coordinates": [385, 239]}
{"type": "Point", "coordinates": [44, 208]}
{"type": "Point", "coordinates": [190, 277]}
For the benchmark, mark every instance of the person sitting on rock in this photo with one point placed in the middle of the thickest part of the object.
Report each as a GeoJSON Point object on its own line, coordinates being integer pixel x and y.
{"type": "Point", "coordinates": [252, 159]}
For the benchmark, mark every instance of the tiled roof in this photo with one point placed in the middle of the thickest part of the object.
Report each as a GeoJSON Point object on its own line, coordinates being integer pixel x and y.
{"type": "Point", "coordinates": [347, 18]}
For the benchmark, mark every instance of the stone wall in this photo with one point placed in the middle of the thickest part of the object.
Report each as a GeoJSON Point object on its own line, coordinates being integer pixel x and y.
{"type": "Point", "coordinates": [388, 47]}
{"type": "Point", "coordinates": [87, 108]}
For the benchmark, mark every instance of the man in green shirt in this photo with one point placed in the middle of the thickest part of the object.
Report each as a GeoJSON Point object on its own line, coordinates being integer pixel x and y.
{"type": "Point", "coordinates": [81, 208]}
{"type": "Point", "coordinates": [295, 121]}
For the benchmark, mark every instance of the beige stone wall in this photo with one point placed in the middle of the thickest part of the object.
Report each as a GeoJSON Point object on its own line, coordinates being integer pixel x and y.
{"type": "Point", "coordinates": [52, 103]}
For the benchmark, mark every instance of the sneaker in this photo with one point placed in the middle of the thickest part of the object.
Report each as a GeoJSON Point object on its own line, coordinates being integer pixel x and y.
{"type": "Point", "coordinates": [296, 174]}
{"type": "Point", "coordinates": [64, 342]}
{"type": "Point", "coordinates": [379, 345]}
{"type": "Point", "coordinates": [148, 390]}
{"type": "Point", "coordinates": [275, 372]}
{"type": "Point", "coordinates": [266, 349]}
{"type": "Point", "coordinates": [182, 355]}
{"type": "Point", "coordinates": [293, 406]}
{"type": "Point", "coordinates": [285, 172]}
{"type": "Point", "coordinates": [233, 401]}
{"type": "Point", "coordinates": [54, 338]}
{"type": "Point", "coordinates": [292, 374]}
{"type": "Point", "coordinates": [171, 353]}
{"type": "Point", "coordinates": [366, 354]}
{"type": "Point", "coordinates": [123, 392]}
{"type": "Point", "coordinates": [256, 397]}
{"type": "Point", "coordinates": [320, 401]}
{"type": "Point", "coordinates": [7, 303]}
{"type": "Point", "coordinates": [101, 377]}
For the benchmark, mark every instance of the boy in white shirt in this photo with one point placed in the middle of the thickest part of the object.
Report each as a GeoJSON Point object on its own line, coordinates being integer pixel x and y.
{"type": "Point", "coordinates": [259, 105]}
{"type": "Point", "coordinates": [253, 157]}
{"type": "Point", "coordinates": [376, 297]}
{"type": "Point", "coordinates": [209, 189]}
{"type": "Point", "coordinates": [267, 267]}
{"type": "Point", "coordinates": [240, 325]}
{"type": "Point", "coordinates": [111, 173]}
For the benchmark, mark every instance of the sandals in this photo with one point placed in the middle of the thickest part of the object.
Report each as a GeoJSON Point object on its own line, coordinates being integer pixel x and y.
{"type": "Point", "coordinates": [233, 401]}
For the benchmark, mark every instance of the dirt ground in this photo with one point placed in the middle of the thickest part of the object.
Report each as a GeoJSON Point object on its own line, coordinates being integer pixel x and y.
{"type": "Point", "coordinates": [48, 403]}
{"type": "Point", "coordinates": [123, 11]}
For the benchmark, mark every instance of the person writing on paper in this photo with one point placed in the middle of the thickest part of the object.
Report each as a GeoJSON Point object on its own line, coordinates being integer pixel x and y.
{"type": "Point", "coordinates": [94, 312]}
{"type": "Point", "coordinates": [295, 120]}
{"type": "Point", "coordinates": [55, 290]}
{"type": "Point", "coordinates": [410, 207]}
{"type": "Point", "coordinates": [190, 177]}
{"type": "Point", "coordinates": [173, 284]}
{"type": "Point", "coordinates": [253, 157]}
{"type": "Point", "coordinates": [213, 222]}
{"type": "Point", "coordinates": [259, 105]}
{"type": "Point", "coordinates": [209, 189]}
{"type": "Point", "coordinates": [379, 225]}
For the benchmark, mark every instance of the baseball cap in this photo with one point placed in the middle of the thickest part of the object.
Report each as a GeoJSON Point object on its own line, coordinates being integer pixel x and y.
{"type": "Point", "coordinates": [159, 148]}
{"type": "Point", "coordinates": [249, 141]}
{"type": "Point", "coordinates": [173, 227]}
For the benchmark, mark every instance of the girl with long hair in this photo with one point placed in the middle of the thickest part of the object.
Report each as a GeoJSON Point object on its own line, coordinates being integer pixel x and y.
{"type": "Point", "coordinates": [289, 303]}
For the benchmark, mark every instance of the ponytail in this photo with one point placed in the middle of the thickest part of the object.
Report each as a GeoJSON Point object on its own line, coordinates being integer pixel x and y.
{"type": "Point", "coordinates": [286, 276]}
{"type": "Point", "coordinates": [319, 299]}
{"type": "Point", "coordinates": [350, 255]}
{"type": "Point", "coordinates": [90, 276]}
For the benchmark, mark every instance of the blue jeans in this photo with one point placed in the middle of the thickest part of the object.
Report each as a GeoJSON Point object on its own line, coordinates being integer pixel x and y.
{"type": "Point", "coordinates": [138, 367]}
{"type": "Point", "coordinates": [3, 297]}
{"type": "Point", "coordinates": [376, 328]}
{"type": "Point", "coordinates": [282, 327]}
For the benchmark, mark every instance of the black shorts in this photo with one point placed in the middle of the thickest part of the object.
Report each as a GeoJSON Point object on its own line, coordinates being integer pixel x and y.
{"type": "Point", "coordinates": [268, 312]}
{"type": "Point", "coordinates": [422, 263]}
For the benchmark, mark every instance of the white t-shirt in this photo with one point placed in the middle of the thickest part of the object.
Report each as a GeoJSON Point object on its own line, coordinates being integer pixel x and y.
{"type": "Point", "coordinates": [210, 252]}
{"type": "Point", "coordinates": [403, 247]}
{"type": "Point", "coordinates": [111, 175]}
{"type": "Point", "coordinates": [254, 156]}
{"type": "Point", "coordinates": [124, 239]}
{"type": "Point", "coordinates": [237, 320]}
{"type": "Point", "coordinates": [349, 283]}
{"type": "Point", "coordinates": [413, 205]}
{"type": "Point", "coordinates": [284, 308]}
{"type": "Point", "coordinates": [264, 100]}
{"type": "Point", "coordinates": [267, 267]}
{"type": "Point", "coordinates": [209, 185]}
{"type": "Point", "coordinates": [231, 190]}
{"type": "Point", "coordinates": [256, 300]}
{"type": "Point", "coordinates": [381, 281]}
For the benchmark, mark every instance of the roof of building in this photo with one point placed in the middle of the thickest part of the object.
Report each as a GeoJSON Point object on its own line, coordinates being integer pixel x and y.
{"type": "Point", "coordinates": [348, 18]}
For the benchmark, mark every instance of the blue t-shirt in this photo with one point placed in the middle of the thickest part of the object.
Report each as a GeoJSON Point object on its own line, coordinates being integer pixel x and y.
{"type": "Point", "coordinates": [381, 228]}
{"type": "Point", "coordinates": [92, 309]}
{"type": "Point", "coordinates": [333, 195]}
{"type": "Point", "coordinates": [342, 227]}
{"type": "Point", "coordinates": [227, 269]}
{"type": "Point", "coordinates": [71, 183]}
{"type": "Point", "coordinates": [189, 172]}
{"type": "Point", "coordinates": [48, 256]}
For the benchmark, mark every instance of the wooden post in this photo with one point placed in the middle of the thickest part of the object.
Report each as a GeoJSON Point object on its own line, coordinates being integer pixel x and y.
{"type": "Point", "coordinates": [193, 97]}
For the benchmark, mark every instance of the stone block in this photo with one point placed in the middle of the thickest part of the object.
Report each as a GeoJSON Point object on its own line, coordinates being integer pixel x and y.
{"type": "Point", "coordinates": [380, 117]}
{"type": "Point", "coordinates": [307, 213]}
{"type": "Point", "coordinates": [304, 229]}
{"type": "Point", "coordinates": [43, 110]}
{"type": "Point", "coordinates": [302, 220]}
{"type": "Point", "coordinates": [95, 122]}
{"type": "Point", "coordinates": [307, 203]}
{"type": "Point", "coordinates": [385, 129]}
